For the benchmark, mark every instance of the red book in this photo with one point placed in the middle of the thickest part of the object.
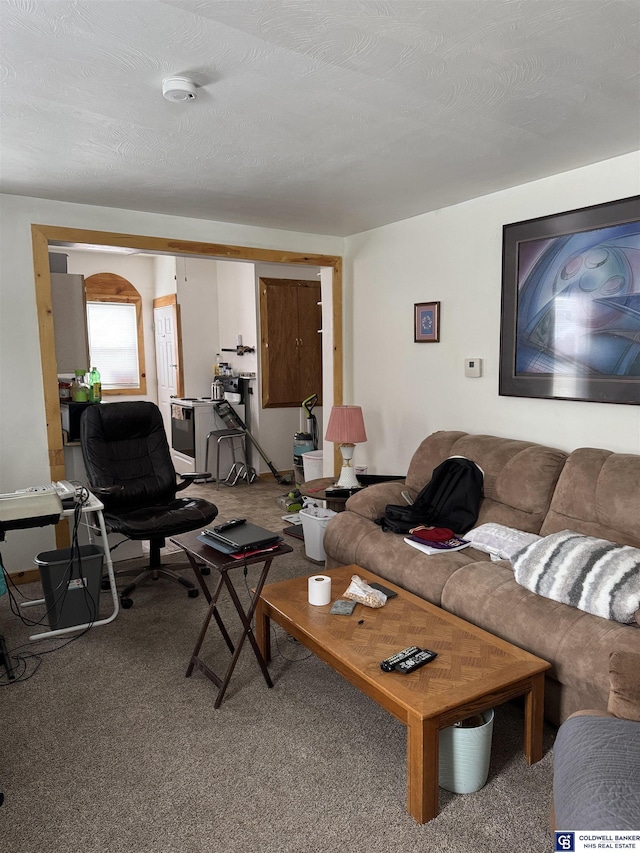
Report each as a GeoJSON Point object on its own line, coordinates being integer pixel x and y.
{"type": "Point", "coordinates": [431, 534]}
{"type": "Point", "coordinates": [243, 554]}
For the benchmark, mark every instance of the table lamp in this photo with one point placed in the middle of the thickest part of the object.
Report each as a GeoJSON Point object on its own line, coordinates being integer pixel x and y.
{"type": "Point", "coordinates": [346, 428]}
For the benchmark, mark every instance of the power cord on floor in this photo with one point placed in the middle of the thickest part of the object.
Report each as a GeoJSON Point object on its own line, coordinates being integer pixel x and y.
{"type": "Point", "coordinates": [291, 640]}
{"type": "Point", "coordinates": [20, 662]}
{"type": "Point", "coordinates": [273, 629]}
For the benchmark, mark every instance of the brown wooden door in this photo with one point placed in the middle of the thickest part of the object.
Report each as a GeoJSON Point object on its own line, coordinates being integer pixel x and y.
{"type": "Point", "coordinates": [310, 342]}
{"type": "Point", "coordinates": [290, 317]}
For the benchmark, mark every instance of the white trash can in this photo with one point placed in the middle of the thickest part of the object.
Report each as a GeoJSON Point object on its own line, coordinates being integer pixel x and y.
{"type": "Point", "coordinates": [314, 520]}
{"type": "Point", "coordinates": [312, 465]}
{"type": "Point", "coordinates": [464, 756]}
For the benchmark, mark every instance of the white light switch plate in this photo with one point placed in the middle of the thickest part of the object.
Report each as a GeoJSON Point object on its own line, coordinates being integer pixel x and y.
{"type": "Point", "coordinates": [473, 367]}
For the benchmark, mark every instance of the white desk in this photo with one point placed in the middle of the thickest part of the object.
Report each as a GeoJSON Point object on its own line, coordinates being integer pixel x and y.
{"type": "Point", "coordinates": [96, 506]}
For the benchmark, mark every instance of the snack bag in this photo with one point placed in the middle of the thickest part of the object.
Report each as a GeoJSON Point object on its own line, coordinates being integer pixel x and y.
{"type": "Point", "coordinates": [361, 592]}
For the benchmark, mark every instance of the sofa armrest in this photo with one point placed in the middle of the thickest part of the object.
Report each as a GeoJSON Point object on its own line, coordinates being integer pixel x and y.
{"type": "Point", "coordinates": [371, 502]}
{"type": "Point", "coordinates": [575, 767]}
{"type": "Point", "coordinates": [591, 712]}
{"type": "Point", "coordinates": [595, 784]}
{"type": "Point", "coordinates": [624, 691]}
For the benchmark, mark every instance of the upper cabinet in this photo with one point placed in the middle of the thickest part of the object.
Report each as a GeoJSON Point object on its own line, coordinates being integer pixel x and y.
{"type": "Point", "coordinates": [70, 330]}
{"type": "Point", "coordinates": [291, 341]}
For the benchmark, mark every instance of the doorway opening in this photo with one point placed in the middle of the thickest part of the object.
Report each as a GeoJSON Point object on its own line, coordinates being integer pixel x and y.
{"type": "Point", "coordinates": [44, 236]}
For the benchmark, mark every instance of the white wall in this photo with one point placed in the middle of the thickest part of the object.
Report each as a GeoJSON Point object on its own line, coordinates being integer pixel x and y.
{"type": "Point", "coordinates": [237, 314]}
{"type": "Point", "coordinates": [198, 299]}
{"type": "Point", "coordinates": [166, 281]}
{"type": "Point", "coordinates": [23, 444]}
{"type": "Point", "coordinates": [408, 390]}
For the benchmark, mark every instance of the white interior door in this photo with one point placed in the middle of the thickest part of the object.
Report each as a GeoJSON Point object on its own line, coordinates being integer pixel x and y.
{"type": "Point", "coordinates": [167, 334]}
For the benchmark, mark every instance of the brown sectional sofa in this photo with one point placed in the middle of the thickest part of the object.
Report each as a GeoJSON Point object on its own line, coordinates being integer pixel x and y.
{"type": "Point", "coordinates": [532, 488]}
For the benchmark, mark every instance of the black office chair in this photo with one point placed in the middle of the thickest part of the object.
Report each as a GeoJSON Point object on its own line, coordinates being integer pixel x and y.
{"type": "Point", "coordinates": [129, 469]}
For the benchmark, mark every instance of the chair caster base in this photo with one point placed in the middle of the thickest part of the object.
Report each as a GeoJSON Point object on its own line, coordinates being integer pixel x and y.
{"type": "Point", "coordinates": [192, 593]}
{"type": "Point", "coordinates": [205, 570]}
{"type": "Point", "coordinates": [126, 603]}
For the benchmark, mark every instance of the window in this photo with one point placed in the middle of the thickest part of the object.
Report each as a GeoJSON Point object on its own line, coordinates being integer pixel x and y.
{"type": "Point", "coordinates": [114, 329]}
{"type": "Point", "coordinates": [113, 343]}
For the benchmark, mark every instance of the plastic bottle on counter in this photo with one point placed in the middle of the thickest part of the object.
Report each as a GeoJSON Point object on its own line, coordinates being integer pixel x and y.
{"type": "Point", "coordinates": [95, 386]}
{"type": "Point", "coordinates": [217, 369]}
{"type": "Point", "coordinates": [79, 388]}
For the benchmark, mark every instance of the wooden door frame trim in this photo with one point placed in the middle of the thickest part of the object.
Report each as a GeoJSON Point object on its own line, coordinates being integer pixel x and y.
{"type": "Point", "coordinates": [42, 235]}
{"type": "Point", "coordinates": [165, 301]}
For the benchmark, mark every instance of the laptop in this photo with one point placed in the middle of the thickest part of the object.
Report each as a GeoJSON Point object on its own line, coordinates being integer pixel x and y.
{"type": "Point", "coordinates": [243, 537]}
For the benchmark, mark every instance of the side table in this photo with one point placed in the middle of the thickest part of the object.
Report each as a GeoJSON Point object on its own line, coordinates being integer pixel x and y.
{"type": "Point", "coordinates": [317, 489]}
{"type": "Point", "coordinates": [200, 554]}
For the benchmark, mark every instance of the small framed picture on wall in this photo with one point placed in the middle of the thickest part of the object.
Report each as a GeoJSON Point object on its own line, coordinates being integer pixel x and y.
{"type": "Point", "coordinates": [426, 322]}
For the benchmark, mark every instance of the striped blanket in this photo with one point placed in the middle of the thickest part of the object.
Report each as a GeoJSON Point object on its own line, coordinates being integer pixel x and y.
{"type": "Point", "coordinates": [591, 574]}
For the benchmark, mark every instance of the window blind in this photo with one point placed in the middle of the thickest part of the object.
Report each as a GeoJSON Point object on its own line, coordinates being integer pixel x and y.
{"type": "Point", "coordinates": [113, 343]}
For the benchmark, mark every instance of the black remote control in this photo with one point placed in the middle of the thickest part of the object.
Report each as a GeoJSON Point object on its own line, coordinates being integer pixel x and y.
{"type": "Point", "coordinates": [235, 522]}
{"type": "Point", "coordinates": [415, 662]}
{"type": "Point", "coordinates": [388, 664]}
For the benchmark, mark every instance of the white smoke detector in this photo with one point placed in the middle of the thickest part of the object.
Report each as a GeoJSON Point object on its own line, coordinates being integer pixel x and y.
{"type": "Point", "coordinates": [178, 89]}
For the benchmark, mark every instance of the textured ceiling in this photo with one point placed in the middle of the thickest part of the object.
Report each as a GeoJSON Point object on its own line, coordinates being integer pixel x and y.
{"type": "Point", "coordinates": [327, 116]}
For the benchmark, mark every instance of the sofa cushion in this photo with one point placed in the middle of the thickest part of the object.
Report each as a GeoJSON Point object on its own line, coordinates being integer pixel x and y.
{"type": "Point", "coordinates": [577, 644]}
{"type": "Point", "coordinates": [598, 494]}
{"type": "Point", "coordinates": [624, 695]}
{"type": "Point", "coordinates": [348, 539]}
{"type": "Point", "coordinates": [433, 450]}
{"type": "Point", "coordinates": [591, 574]}
{"type": "Point", "coordinates": [519, 476]}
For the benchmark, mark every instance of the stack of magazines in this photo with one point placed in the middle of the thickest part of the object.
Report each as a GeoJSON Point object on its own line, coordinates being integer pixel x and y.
{"type": "Point", "coordinates": [435, 540]}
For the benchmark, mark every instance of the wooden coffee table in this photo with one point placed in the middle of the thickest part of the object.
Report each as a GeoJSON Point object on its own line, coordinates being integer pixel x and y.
{"type": "Point", "coordinates": [474, 670]}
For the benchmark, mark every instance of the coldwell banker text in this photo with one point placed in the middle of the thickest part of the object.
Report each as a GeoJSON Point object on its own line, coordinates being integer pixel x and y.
{"type": "Point", "coordinates": [580, 841]}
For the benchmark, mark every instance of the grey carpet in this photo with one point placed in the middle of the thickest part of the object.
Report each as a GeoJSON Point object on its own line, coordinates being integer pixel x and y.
{"type": "Point", "coordinates": [107, 748]}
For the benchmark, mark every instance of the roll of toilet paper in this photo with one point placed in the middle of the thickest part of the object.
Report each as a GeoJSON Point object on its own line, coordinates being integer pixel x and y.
{"type": "Point", "coordinates": [319, 590]}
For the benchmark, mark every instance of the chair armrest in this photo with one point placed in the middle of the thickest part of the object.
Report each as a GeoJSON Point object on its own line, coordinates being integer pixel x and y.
{"type": "Point", "coordinates": [190, 478]}
{"type": "Point", "coordinates": [106, 491]}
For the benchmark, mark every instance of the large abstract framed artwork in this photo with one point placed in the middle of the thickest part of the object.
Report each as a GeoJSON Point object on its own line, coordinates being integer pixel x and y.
{"type": "Point", "coordinates": [571, 305]}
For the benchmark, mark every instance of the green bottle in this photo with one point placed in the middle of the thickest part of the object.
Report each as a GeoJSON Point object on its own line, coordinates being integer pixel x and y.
{"type": "Point", "coordinates": [95, 386]}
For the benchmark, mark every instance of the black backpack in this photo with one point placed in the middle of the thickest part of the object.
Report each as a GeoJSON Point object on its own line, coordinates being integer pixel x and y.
{"type": "Point", "coordinates": [450, 499]}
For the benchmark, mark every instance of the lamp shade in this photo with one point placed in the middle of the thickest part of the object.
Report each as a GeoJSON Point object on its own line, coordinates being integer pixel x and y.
{"type": "Point", "coordinates": [346, 425]}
